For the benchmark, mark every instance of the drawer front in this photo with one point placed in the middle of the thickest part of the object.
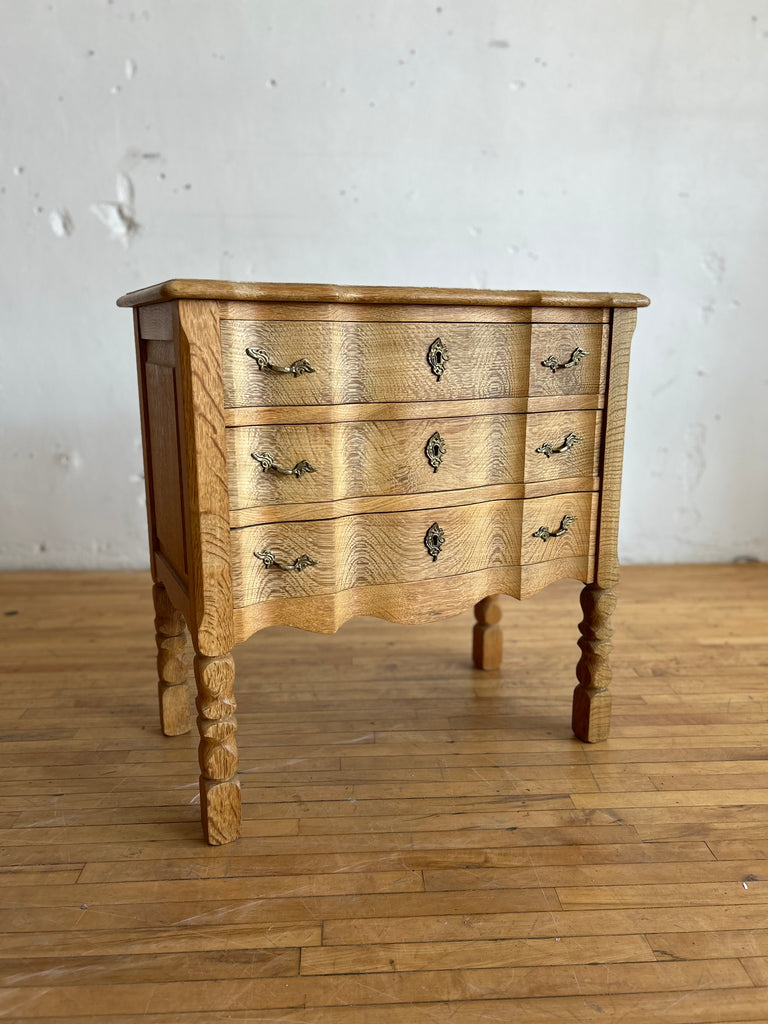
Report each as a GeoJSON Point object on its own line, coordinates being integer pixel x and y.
{"type": "Point", "coordinates": [568, 359]}
{"type": "Point", "coordinates": [314, 363]}
{"type": "Point", "coordinates": [368, 550]}
{"type": "Point", "coordinates": [296, 463]}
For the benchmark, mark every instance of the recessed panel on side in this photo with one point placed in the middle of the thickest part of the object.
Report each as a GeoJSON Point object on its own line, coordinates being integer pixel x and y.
{"type": "Point", "coordinates": [165, 464]}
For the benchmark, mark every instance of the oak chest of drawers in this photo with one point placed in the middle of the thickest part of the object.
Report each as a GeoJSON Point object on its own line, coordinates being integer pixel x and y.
{"type": "Point", "coordinates": [315, 452]}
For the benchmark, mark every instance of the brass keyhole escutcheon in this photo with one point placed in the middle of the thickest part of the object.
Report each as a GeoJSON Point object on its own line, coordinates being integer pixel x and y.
{"type": "Point", "coordinates": [435, 450]}
{"type": "Point", "coordinates": [434, 540]}
{"type": "Point", "coordinates": [437, 357]}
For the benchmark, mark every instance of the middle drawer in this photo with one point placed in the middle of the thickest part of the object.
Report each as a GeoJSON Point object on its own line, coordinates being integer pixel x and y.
{"type": "Point", "coordinates": [291, 463]}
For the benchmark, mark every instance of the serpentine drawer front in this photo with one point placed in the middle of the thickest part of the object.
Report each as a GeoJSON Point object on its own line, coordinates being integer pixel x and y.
{"type": "Point", "coordinates": [392, 547]}
{"type": "Point", "coordinates": [315, 452]}
{"type": "Point", "coordinates": [302, 362]}
{"type": "Point", "coordinates": [277, 464]}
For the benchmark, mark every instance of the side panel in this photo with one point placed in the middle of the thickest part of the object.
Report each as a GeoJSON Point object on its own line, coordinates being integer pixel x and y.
{"type": "Point", "coordinates": [163, 437]}
{"type": "Point", "coordinates": [622, 328]}
{"type": "Point", "coordinates": [198, 353]}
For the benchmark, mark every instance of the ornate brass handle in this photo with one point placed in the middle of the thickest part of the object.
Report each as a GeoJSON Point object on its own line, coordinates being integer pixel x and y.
{"type": "Point", "coordinates": [576, 356]}
{"type": "Point", "coordinates": [267, 461]}
{"type": "Point", "coordinates": [299, 565]}
{"type": "Point", "coordinates": [545, 533]}
{"type": "Point", "coordinates": [264, 362]}
{"type": "Point", "coordinates": [568, 442]}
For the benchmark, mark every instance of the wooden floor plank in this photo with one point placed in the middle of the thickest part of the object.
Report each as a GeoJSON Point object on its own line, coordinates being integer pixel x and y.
{"type": "Point", "coordinates": [707, 1006]}
{"type": "Point", "coordinates": [703, 945]}
{"type": "Point", "coordinates": [463, 927]}
{"type": "Point", "coordinates": [345, 990]}
{"type": "Point", "coordinates": [410, 859]}
{"type": "Point", "coordinates": [497, 953]}
{"type": "Point", "coordinates": [422, 841]}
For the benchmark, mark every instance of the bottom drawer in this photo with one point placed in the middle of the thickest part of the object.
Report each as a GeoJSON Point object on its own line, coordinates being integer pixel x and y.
{"type": "Point", "coordinates": [317, 557]}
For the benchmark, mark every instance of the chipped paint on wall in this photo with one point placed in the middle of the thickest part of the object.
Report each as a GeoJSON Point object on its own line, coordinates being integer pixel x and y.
{"type": "Point", "coordinates": [119, 217]}
{"type": "Point", "coordinates": [527, 145]}
{"type": "Point", "coordinates": [61, 222]}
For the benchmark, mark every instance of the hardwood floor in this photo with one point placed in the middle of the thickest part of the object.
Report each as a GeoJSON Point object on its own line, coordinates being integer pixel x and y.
{"type": "Point", "coordinates": [423, 841]}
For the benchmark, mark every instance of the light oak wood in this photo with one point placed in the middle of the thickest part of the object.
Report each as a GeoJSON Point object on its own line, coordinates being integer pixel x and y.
{"type": "Point", "coordinates": [506, 454]}
{"type": "Point", "coordinates": [486, 634]}
{"type": "Point", "coordinates": [385, 893]}
{"type": "Point", "coordinates": [390, 457]}
{"type": "Point", "coordinates": [414, 603]}
{"type": "Point", "coordinates": [259, 291]}
{"type": "Point", "coordinates": [421, 312]}
{"type": "Point", "coordinates": [387, 362]}
{"type": "Point", "coordinates": [369, 550]}
{"type": "Point", "coordinates": [407, 502]}
{"type": "Point", "coordinates": [171, 638]}
{"type": "Point", "coordinates": [208, 501]}
{"type": "Point", "coordinates": [156, 322]}
{"type": "Point", "coordinates": [217, 753]}
{"type": "Point", "coordinates": [162, 434]}
{"type": "Point", "coordinates": [591, 698]}
{"type": "Point", "coordinates": [622, 329]}
{"type": "Point", "coordinates": [257, 415]}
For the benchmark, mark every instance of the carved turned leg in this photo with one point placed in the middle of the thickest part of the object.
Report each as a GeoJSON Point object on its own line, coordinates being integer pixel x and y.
{"type": "Point", "coordinates": [486, 634]}
{"type": "Point", "coordinates": [216, 723]}
{"type": "Point", "coordinates": [172, 689]}
{"type": "Point", "coordinates": [591, 698]}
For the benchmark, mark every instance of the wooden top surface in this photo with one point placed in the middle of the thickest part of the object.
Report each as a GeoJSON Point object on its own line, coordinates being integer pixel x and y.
{"type": "Point", "coordinates": [266, 292]}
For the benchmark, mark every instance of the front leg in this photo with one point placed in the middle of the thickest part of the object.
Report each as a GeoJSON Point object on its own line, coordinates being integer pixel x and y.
{"type": "Point", "coordinates": [216, 723]}
{"type": "Point", "coordinates": [591, 699]}
{"type": "Point", "coordinates": [172, 689]}
{"type": "Point", "coordinates": [486, 633]}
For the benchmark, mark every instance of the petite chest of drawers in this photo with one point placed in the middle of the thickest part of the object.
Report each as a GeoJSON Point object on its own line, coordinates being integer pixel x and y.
{"type": "Point", "coordinates": [315, 452]}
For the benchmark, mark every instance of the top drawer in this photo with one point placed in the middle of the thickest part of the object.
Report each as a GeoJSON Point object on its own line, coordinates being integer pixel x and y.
{"type": "Point", "coordinates": [268, 363]}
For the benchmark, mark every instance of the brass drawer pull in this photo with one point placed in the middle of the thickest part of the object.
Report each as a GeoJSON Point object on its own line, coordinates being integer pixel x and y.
{"type": "Point", "coordinates": [548, 449]}
{"type": "Point", "coordinates": [545, 533]}
{"type": "Point", "coordinates": [264, 362]}
{"type": "Point", "coordinates": [576, 356]}
{"type": "Point", "coordinates": [267, 461]}
{"type": "Point", "coordinates": [302, 562]}
{"type": "Point", "coordinates": [434, 540]}
{"type": "Point", "coordinates": [437, 357]}
{"type": "Point", "coordinates": [435, 450]}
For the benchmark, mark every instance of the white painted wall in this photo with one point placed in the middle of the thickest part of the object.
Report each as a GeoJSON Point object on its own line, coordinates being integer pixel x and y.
{"type": "Point", "coordinates": [597, 145]}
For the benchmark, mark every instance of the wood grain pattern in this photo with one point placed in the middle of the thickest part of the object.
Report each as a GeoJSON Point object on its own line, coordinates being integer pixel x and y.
{"type": "Point", "coordinates": [387, 362]}
{"type": "Point", "coordinates": [156, 322]}
{"type": "Point", "coordinates": [172, 690]}
{"type": "Point", "coordinates": [409, 603]}
{"type": "Point", "coordinates": [245, 310]}
{"type": "Point", "coordinates": [360, 551]}
{"type": "Point", "coordinates": [510, 519]}
{"type": "Point", "coordinates": [591, 699]}
{"type": "Point", "coordinates": [162, 436]}
{"type": "Point", "coordinates": [622, 329]}
{"type": "Point", "coordinates": [486, 634]}
{"type": "Point", "coordinates": [271, 292]}
{"type": "Point", "coordinates": [220, 801]}
{"type": "Point", "coordinates": [389, 457]}
{"type": "Point", "coordinates": [440, 827]}
{"type": "Point", "coordinates": [164, 443]}
{"type": "Point", "coordinates": [259, 415]}
{"type": "Point", "coordinates": [210, 570]}
{"type": "Point", "coordinates": [407, 502]}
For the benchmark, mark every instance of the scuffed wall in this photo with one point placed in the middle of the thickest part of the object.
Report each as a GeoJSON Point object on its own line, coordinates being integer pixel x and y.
{"type": "Point", "coordinates": [534, 144]}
